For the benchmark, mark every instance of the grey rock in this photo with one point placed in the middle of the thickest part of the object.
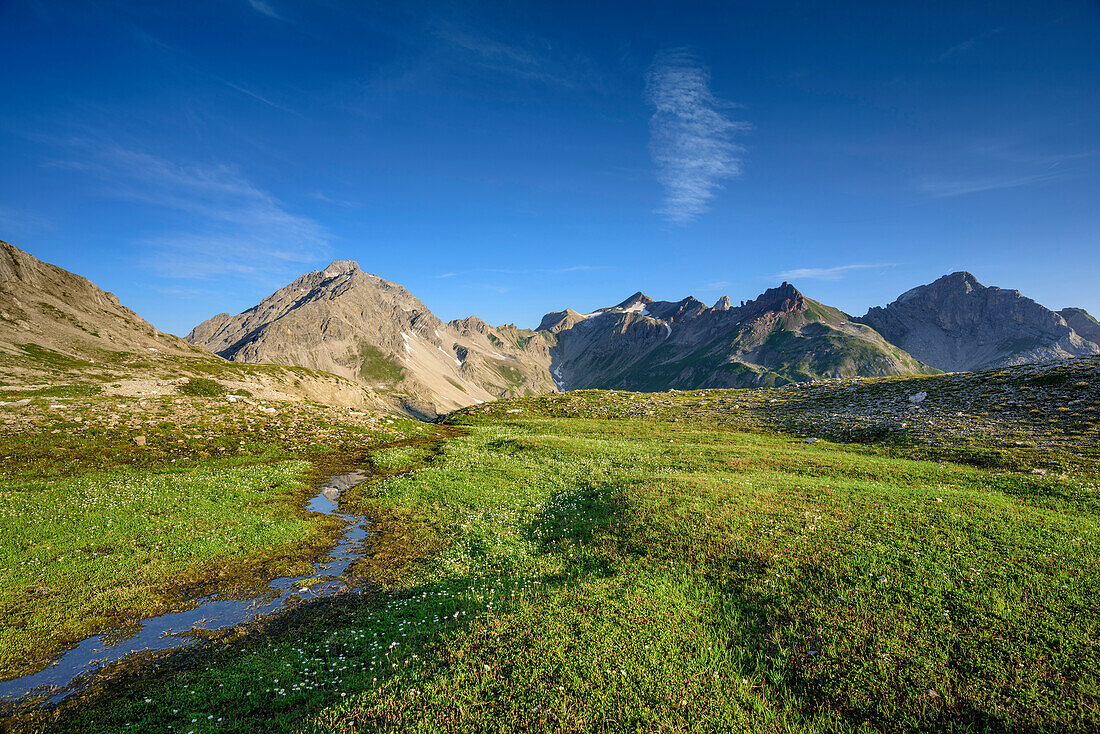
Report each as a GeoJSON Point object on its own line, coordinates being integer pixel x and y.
{"type": "Point", "coordinates": [958, 324]}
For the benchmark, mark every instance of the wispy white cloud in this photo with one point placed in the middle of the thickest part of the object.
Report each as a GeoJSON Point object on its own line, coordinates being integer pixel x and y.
{"type": "Point", "coordinates": [257, 96]}
{"type": "Point", "coordinates": [940, 188]}
{"type": "Point", "coordinates": [716, 285]}
{"type": "Point", "coordinates": [346, 203]}
{"type": "Point", "coordinates": [1050, 160]}
{"type": "Point", "coordinates": [232, 225]}
{"type": "Point", "coordinates": [967, 45]}
{"type": "Point", "coordinates": [574, 269]}
{"type": "Point", "coordinates": [522, 57]}
{"type": "Point", "coordinates": [261, 6]}
{"type": "Point", "coordinates": [691, 137]}
{"type": "Point", "coordinates": [833, 273]}
{"type": "Point", "coordinates": [21, 223]}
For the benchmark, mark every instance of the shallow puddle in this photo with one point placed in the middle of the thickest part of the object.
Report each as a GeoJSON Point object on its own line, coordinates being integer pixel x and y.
{"type": "Point", "coordinates": [175, 629]}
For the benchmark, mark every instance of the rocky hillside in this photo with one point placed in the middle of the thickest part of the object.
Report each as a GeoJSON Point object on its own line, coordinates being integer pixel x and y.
{"type": "Point", "coordinates": [1082, 322]}
{"type": "Point", "coordinates": [956, 324]}
{"type": "Point", "coordinates": [59, 329]}
{"type": "Point", "coordinates": [358, 325]}
{"type": "Point", "coordinates": [779, 337]}
{"type": "Point", "coordinates": [47, 307]}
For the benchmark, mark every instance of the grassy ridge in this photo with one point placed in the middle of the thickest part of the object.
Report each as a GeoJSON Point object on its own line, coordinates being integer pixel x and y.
{"type": "Point", "coordinates": [570, 574]}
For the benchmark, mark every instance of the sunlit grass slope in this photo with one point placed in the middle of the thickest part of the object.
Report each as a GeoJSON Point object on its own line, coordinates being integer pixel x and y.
{"type": "Point", "coordinates": [627, 575]}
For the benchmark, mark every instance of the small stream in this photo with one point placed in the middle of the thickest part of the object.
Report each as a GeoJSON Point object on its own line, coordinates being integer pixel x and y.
{"type": "Point", "coordinates": [173, 630]}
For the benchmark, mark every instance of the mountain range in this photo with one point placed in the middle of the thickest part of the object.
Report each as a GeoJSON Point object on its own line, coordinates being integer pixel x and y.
{"type": "Point", "coordinates": [364, 327]}
{"type": "Point", "coordinates": [779, 337]}
{"type": "Point", "coordinates": [362, 330]}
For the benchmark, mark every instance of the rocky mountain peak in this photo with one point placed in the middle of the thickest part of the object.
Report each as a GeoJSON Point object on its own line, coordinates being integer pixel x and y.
{"type": "Point", "coordinates": [340, 267]}
{"type": "Point", "coordinates": [962, 279]}
{"type": "Point", "coordinates": [955, 323]}
{"type": "Point", "coordinates": [1082, 322]}
{"type": "Point", "coordinates": [955, 284]}
{"type": "Point", "coordinates": [43, 304]}
{"type": "Point", "coordinates": [635, 299]}
{"type": "Point", "coordinates": [723, 304]}
{"type": "Point", "coordinates": [785, 299]}
{"type": "Point", "coordinates": [959, 283]}
{"type": "Point", "coordinates": [470, 324]}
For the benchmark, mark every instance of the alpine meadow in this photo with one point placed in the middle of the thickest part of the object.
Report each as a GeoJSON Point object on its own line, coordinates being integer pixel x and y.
{"type": "Point", "coordinates": [743, 437]}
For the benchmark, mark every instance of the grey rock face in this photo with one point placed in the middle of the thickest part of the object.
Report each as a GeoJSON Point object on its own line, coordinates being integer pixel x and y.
{"type": "Point", "coordinates": [1082, 322]}
{"type": "Point", "coordinates": [956, 324]}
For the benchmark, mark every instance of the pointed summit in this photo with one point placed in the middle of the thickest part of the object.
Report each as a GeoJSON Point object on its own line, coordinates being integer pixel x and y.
{"type": "Point", "coordinates": [960, 283]}
{"type": "Point", "coordinates": [723, 304]}
{"type": "Point", "coordinates": [374, 332]}
{"type": "Point", "coordinates": [961, 276]}
{"type": "Point", "coordinates": [470, 324]}
{"type": "Point", "coordinates": [340, 267]}
{"type": "Point", "coordinates": [960, 280]}
{"type": "Point", "coordinates": [785, 298]}
{"type": "Point", "coordinates": [635, 299]}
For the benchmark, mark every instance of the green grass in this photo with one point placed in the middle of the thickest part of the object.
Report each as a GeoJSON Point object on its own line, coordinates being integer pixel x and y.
{"type": "Point", "coordinates": [202, 387]}
{"type": "Point", "coordinates": [53, 359]}
{"type": "Point", "coordinates": [510, 374]}
{"type": "Point", "coordinates": [571, 574]}
{"type": "Point", "coordinates": [375, 366]}
{"type": "Point", "coordinates": [399, 458]}
{"type": "Point", "coordinates": [55, 391]}
{"type": "Point", "coordinates": [95, 551]}
{"type": "Point", "coordinates": [98, 530]}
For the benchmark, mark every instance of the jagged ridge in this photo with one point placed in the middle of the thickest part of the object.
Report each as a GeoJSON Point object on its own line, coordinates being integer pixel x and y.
{"type": "Point", "coordinates": [779, 337]}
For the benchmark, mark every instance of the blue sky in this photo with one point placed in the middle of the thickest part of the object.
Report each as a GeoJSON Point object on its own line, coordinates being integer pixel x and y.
{"type": "Point", "coordinates": [508, 159]}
